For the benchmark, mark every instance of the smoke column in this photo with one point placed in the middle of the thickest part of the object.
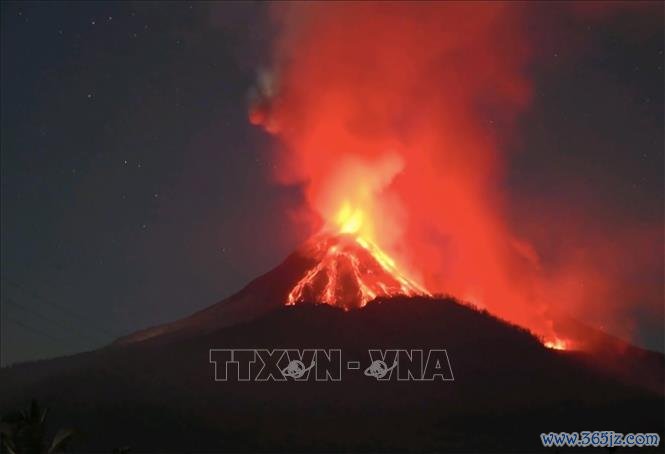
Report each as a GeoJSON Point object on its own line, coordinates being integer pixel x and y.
{"type": "Point", "coordinates": [403, 110]}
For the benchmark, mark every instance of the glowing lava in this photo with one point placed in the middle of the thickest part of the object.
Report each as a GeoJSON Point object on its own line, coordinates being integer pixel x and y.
{"type": "Point", "coordinates": [556, 344]}
{"type": "Point", "coordinates": [350, 270]}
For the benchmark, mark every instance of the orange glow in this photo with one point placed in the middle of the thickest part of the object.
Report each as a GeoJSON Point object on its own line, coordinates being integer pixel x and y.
{"type": "Point", "coordinates": [556, 344]}
{"type": "Point", "coordinates": [348, 219]}
{"type": "Point", "coordinates": [350, 268]}
{"type": "Point", "coordinates": [393, 119]}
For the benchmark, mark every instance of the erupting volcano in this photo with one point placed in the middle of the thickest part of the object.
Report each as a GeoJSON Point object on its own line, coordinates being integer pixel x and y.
{"type": "Point", "coordinates": [350, 271]}
{"type": "Point", "coordinates": [400, 159]}
{"type": "Point", "coordinates": [398, 126]}
{"type": "Point", "coordinates": [349, 268]}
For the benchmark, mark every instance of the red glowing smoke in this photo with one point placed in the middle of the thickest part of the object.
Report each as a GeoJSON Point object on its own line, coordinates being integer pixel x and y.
{"type": "Point", "coordinates": [401, 111]}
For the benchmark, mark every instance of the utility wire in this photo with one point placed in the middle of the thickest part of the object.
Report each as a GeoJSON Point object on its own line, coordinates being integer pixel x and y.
{"type": "Point", "coordinates": [68, 329]}
{"type": "Point", "coordinates": [61, 285]}
{"type": "Point", "coordinates": [33, 329]}
{"type": "Point", "coordinates": [49, 302]}
{"type": "Point", "coordinates": [49, 282]}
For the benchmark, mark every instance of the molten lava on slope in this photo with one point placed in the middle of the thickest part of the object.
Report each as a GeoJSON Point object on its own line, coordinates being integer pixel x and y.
{"type": "Point", "coordinates": [349, 272]}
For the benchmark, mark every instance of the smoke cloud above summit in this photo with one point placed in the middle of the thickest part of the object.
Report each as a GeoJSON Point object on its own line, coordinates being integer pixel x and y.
{"type": "Point", "coordinates": [406, 113]}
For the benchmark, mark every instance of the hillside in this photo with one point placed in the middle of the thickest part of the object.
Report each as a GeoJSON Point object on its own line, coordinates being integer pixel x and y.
{"type": "Point", "coordinates": [160, 395]}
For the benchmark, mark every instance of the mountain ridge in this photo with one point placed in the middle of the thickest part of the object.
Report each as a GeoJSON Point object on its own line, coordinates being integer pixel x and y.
{"type": "Point", "coordinates": [499, 369]}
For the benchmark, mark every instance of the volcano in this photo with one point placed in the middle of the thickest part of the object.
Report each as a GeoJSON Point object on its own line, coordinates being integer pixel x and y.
{"type": "Point", "coordinates": [154, 390]}
{"type": "Point", "coordinates": [349, 271]}
{"type": "Point", "coordinates": [343, 270]}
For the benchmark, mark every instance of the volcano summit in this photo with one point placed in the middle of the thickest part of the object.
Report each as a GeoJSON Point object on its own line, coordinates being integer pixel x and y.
{"type": "Point", "coordinates": [343, 270]}
{"type": "Point", "coordinates": [349, 271]}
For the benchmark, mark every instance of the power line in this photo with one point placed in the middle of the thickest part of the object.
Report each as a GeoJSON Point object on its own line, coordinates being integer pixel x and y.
{"type": "Point", "coordinates": [48, 281]}
{"type": "Point", "coordinates": [51, 320]}
{"type": "Point", "coordinates": [59, 284]}
{"type": "Point", "coordinates": [33, 329]}
{"type": "Point", "coordinates": [50, 302]}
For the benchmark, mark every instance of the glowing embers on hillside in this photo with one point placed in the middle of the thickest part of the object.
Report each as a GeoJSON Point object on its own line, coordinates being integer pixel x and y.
{"type": "Point", "coordinates": [349, 271]}
{"type": "Point", "coordinates": [556, 344]}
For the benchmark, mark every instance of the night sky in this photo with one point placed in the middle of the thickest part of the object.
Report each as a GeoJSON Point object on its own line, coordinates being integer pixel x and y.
{"type": "Point", "coordinates": [134, 190]}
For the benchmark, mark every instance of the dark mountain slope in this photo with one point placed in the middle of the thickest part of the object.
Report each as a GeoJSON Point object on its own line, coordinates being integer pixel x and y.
{"type": "Point", "coordinates": [260, 296]}
{"type": "Point", "coordinates": [159, 394]}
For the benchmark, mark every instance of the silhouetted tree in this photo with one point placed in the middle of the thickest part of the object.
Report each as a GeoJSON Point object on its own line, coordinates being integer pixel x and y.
{"type": "Point", "coordinates": [24, 432]}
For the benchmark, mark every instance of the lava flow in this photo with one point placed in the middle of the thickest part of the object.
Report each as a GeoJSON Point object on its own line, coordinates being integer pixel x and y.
{"type": "Point", "coordinates": [556, 344]}
{"type": "Point", "coordinates": [350, 270]}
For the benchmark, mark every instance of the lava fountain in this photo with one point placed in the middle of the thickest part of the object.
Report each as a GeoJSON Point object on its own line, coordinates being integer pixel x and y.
{"type": "Point", "coordinates": [350, 268]}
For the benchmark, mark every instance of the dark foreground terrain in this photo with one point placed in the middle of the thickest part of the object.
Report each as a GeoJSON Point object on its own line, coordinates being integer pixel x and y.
{"type": "Point", "coordinates": [159, 394]}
